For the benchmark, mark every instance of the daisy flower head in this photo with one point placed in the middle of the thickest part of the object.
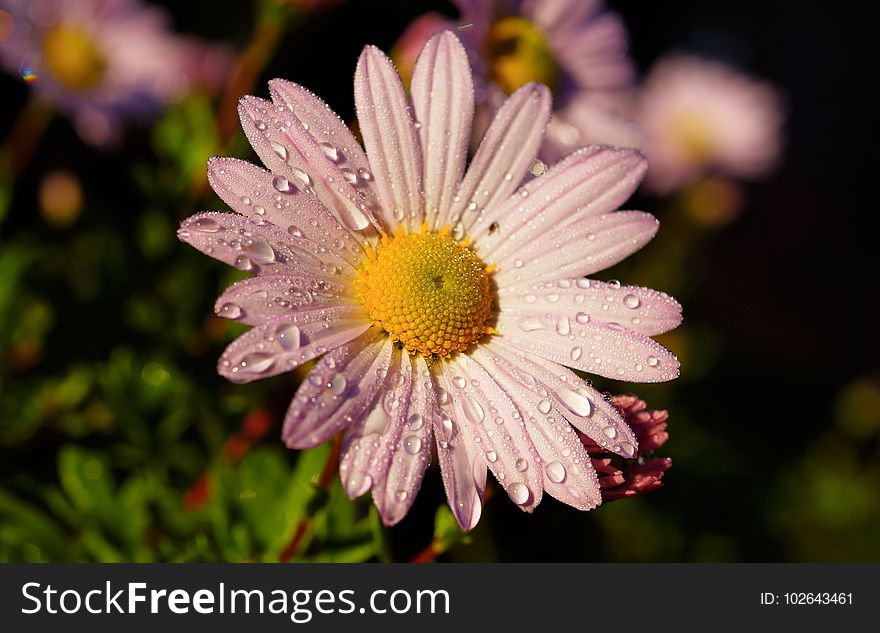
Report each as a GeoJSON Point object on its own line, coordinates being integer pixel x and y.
{"type": "Point", "coordinates": [699, 116]}
{"type": "Point", "coordinates": [577, 48]}
{"type": "Point", "coordinates": [104, 61]}
{"type": "Point", "coordinates": [443, 305]}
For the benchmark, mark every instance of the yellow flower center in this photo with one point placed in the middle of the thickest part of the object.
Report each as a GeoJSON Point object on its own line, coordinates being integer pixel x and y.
{"type": "Point", "coordinates": [430, 292]}
{"type": "Point", "coordinates": [73, 57]}
{"type": "Point", "coordinates": [694, 135]}
{"type": "Point", "coordinates": [519, 53]}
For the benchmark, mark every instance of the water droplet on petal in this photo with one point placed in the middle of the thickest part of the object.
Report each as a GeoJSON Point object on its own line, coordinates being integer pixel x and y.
{"type": "Point", "coordinates": [653, 361]}
{"type": "Point", "coordinates": [631, 301]}
{"type": "Point", "coordinates": [563, 327]}
{"type": "Point", "coordinates": [261, 252]}
{"type": "Point", "coordinates": [288, 336]}
{"type": "Point", "coordinates": [230, 311]}
{"type": "Point", "coordinates": [472, 409]}
{"type": "Point", "coordinates": [519, 493]}
{"type": "Point", "coordinates": [359, 483]}
{"type": "Point", "coordinates": [257, 362]}
{"type": "Point", "coordinates": [610, 432]}
{"type": "Point", "coordinates": [337, 384]}
{"type": "Point", "coordinates": [459, 382]}
{"type": "Point", "coordinates": [555, 472]}
{"type": "Point", "coordinates": [205, 225]}
{"type": "Point", "coordinates": [330, 151]}
{"type": "Point", "coordinates": [279, 149]}
{"type": "Point", "coordinates": [582, 317]}
{"type": "Point", "coordinates": [544, 406]}
{"type": "Point", "coordinates": [415, 421]}
{"type": "Point", "coordinates": [521, 465]}
{"type": "Point", "coordinates": [530, 324]}
{"type": "Point", "coordinates": [283, 185]}
{"type": "Point", "coordinates": [613, 283]}
{"type": "Point", "coordinates": [243, 263]}
{"type": "Point", "coordinates": [412, 444]}
{"type": "Point", "coordinates": [492, 456]}
{"type": "Point", "coordinates": [576, 353]}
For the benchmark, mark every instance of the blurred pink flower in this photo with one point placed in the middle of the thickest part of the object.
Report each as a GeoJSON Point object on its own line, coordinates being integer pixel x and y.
{"type": "Point", "coordinates": [699, 116]}
{"type": "Point", "coordinates": [442, 303]}
{"type": "Point", "coordinates": [105, 61]}
{"type": "Point", "coordinates": [575, 47]}
{"type": "Point", "coordinates": [639, 475]}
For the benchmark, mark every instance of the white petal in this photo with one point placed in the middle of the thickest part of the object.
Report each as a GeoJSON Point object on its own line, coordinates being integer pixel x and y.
{"type": "Point", "coordinates": [332, 135]}
{"type": "Point", "coordinates": [604, 349]}
{"type": "Point", "coordinates": [590, 181]}
{"type": "Point", "coordinates": [257, 299]}
{"type": "Point", "coordinates": [579, 249]}
{"type": "Point", "coordinates": [339, 391]}
{"type": "Point", "coordinates": [583, 300]}
{"type": "Point", "coordinates": [461, 464]}
{"type": "Point", "coordinates": [504, 156]}
{"type": "Point", "coordinates": [567, 473]}
{"type": "Point", "coordinates": [581, 404]}
{"type": "Point", "coordinates": [386, 122]}
{"type": "Point", "coordinates": [286, 148]}
{"type": "Point", "coordinates": [480, 408]}
{"type": "Point", "coordinates": [263, 196]}
{"type": "Point", "coordinates": [395, 492]}
{"type": "Point", "coordinates": [259, 248]}
{"type": "Point", "coordinates": [443, 99]}
{"type": "Point", "coordinates": [286, 342]}
{"type": "Point", "coordinates": [370, 442]}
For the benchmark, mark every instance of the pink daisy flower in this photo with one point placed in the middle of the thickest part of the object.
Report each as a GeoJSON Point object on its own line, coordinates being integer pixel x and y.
{"type": "Point", "coordinates": [575, 47]}
{"type": "Point", "coordinates": [104, 61]}
{"type": "Point", "coordinates": [443, 305]}
{"type": "Point", "coordinates": [699, 116]}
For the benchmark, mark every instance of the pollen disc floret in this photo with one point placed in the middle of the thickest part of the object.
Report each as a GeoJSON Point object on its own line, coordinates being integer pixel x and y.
{"type": "Point", "coordinates": [428, 291]}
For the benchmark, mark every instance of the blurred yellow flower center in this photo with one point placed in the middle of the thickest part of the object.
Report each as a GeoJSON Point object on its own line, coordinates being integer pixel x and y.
{"type": "Point", "coordinates": [519, 53]}
{"type": "Point", "coordinates": [428, 291]}
{"type": "Point", "coordinates": [694, 135]}
{"type": "Point", "coordinates": [73, 57]}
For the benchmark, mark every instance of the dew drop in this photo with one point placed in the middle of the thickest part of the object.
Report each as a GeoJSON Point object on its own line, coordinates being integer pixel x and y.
{"type": "Point", "coordinates": [257, 362]}
{"type": "Point", "coordinates": [230, 311]}
{"type": "Point", "coordinates": [519, 493]}
{"type": "Point", "coordinates": [302, 176]}
{"type": "Point", "coordinates": [288, 336]}
{"type": "Point", "coordinates": [576, 353]}
{"type": "Point", "coordinates": [205, 225]}
{"type": "Point", "coordinates": [653, 361]}
{"type": "Point", "coordinates": [555, 472]}
{"type": "Point", "coordinates": [279, 150]}
{"type": "Point", "coordinates": [261, 252]}
{"type": "Point", "coordinates": [610, 432]}
{"type": "Point", "coordinates": [330, 151]}
{"type": "Point", "coordinates": [459, 382]}
{"type": "Point", "coordinates": [492, 456]}
{"type": "Point", "coordinates": [582, 317]}
{"type": "Point", "coordinates": [631, 301]}
{"type": "Point", "coordinates": [359, 483]}
{"type": "Point", "coordinates": [613, 283]}
{"type": "Point", "coordinates": [283, 185]}
{"type": "Point", "coordinates": [521, 465]}
{"type": "Point", "coordinates": [530, 324]}
{"type": "Point", "coordinates": [337, 384]}
{"type": "Point", "coordinates": [472, 409]}
{"type": "Point", "coordinates": [563, 327]}
{"type": "Point", "coordinates": [544, 406]}
{"type": "Point", "coordinates": [415, 421]}
{"type": "Point", "coordinates": [243, 263]}
{"type": "Point", "coordinates": [412, 444]}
